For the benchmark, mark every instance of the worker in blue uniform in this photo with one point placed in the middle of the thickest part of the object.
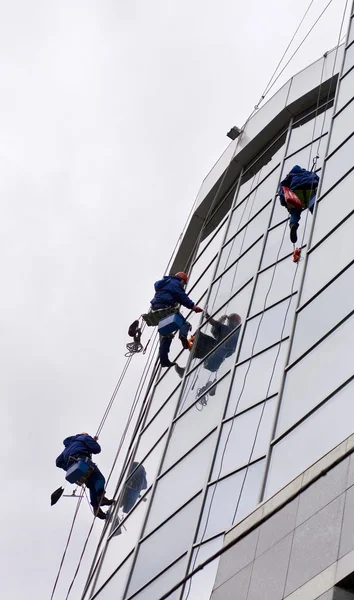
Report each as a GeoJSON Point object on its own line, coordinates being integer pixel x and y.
{"type": "Point", "coordinates": [297, 191]}
{"type": "Point", "coordinates": [169, 293]}
{"type": "Point", "coordinates": [81, 447]}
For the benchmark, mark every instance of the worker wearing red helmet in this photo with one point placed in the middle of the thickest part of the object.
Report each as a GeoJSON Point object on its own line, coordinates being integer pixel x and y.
{"type": "Point", "coordinates": [169, 291]}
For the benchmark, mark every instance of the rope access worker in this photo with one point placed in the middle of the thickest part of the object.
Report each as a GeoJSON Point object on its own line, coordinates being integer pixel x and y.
{"type": "Point", "coordinates": [169, 293]}
{"type": "Point", "coordinates": [297, 192]}
{"type": "Point", "coordinates": [82, 446]}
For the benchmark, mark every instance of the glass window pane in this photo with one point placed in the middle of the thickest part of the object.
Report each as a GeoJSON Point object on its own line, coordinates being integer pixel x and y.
{"type": "Point", "coordinates": [244, 239]}
{"type": "Point", "coordinates": [252, 379]}
{"type": "Point", "coordinates": [119, 546]}
{"type": "Point", "coordinates": [326, 217]}
{"type": "Point", "coordinates": [253, 204]}
{"type": "Point", "coordinates": [200, 586]}
{"type": "Point", "coordinates": [278, 246]}
{"type": "Point", "coordinates": [351, 33]}
{"type": "Point", "coordinates": [346, 90]}
{"type": "Point", "coordinates": [305, 130]}
{"type": "Point", "coordinates": [151, 560]}
{"type": "Point", "coordinates": [342, 127]}
{"type": "Point", "coordinates": [329, 258]}
{"type": "Point", "coordinates": [237, 304]}
{"type": "Point", "coordinates": [196, 390]}
{"type": "Point", "coordinates": [349, 59]}
{"type": "Point", "coordinates": [165, 582]}
{"type": "Point", "coordinates": [189, 429]}
{"type": "Point", "coordinates": [309, 328]}
{"type": "Point", "coordinates": [269, 327]}
{"type": "Point", "coordinates": [116, 585]}
{"type": "Point", "coordinates": [210, 246]}
{"type": "Point", "coordinates": [237, 275]}
{"type": "Point", "coordinates": [304, 388]}
{"type": "Point", "coordinates": [312, 439]}
{"type": "Point", "coordinates": [224, 499]}
{"type": "Point", "coordinates": [305, 157]}
{"type": "Point", "coordinates": [269, 290]}
{"type": "Point", "coordinates": [158, 425]}
{"type": "Point", "coordinates": [338, 164]}
{"type": "Point", "coordinates": [179, 484]}
{"type": "Point", "coordinates": [253, 427]}
{"type": "Point", "coordinates": [202, 285]}
{"type": "Point", "coordinates": [209, 236]}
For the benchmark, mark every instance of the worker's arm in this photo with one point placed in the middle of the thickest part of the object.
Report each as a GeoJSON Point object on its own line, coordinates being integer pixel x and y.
{"type": "Point", "coordinates": [92, 445]}
{"type": "Point", "coordinates": [181, 296]}
{"type": "Point", "coordinates": [60, 461]}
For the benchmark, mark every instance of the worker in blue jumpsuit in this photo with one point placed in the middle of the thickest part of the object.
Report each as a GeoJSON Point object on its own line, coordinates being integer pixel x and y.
{"type": "Point", "coordinates": [169, 293]}
{"type": "Point", "coordinates": [297, 191]}
{"type": "Point", "coordinates": [81, 447]}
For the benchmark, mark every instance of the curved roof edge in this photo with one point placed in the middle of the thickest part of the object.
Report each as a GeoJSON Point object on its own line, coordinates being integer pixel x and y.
{"type": "Point", "coordinates": [298, 94]}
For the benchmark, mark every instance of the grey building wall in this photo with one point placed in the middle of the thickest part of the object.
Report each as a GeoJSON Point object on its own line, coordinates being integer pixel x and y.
{"type": "Point", "coordinates": [217, 442]}
{"type": "Point", "coordinates": [300, 544]}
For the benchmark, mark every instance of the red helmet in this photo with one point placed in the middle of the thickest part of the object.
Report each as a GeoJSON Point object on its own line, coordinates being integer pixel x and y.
{"type": "Point", "coordinates": [182, 275]}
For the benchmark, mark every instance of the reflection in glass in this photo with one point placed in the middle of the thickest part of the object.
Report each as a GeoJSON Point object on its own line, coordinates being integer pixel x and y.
{"type": "Point", "coordinates": [119, 546]}
{"type": "Point", "coordinates": [270, 289]}
{"type": "Point", "coordinates": [267, 328]}
{"type": "Point", "coordinates": [336, 252]}
{"type": "Point", "coordinates": [151, 560]}
{"type": "Point", "coordinates": [309, 128]}
{"type": "Point", "coordinates": [157, 426]}
{"type": "Point", "coordinates": [342, 127]}
{"type": "Point", "coordinates": [116, 585]}
{"type": "Point", "coordinates": [200, 586]}
{"type": "Point", "coordinates": [237, 304]}
{"type": "Point", "coordinates": [326, 217]}
{"type": "Point", "coordinates": [165, 582]}
{"type": "Point", "coordinates": [189, 429]}
{"type": "Point", "coordinates": [309, 328]}
{"type": "Point", "coordinates": [201, 393]}
{"type": "Point", "coordinates": [237, 275]}
{"type": "Point", "coordinates": [312, 439]}
{"type": "Point", "coordinates": [338, 164]}
{"type": "Point", "coordinates": [245, 438]}
{"type": "Point", "coordinates": [179, 484]}
{"type": "Point", "coordinates": [230, 500]}
{"type": "Point", "coordinates": [305, 385]}
{"type": "Point", "coordinates": [252, 378]}
{"type": "Point", "coordinates": [346, 90]}
{"type": "Point", "coordinates": [244, 239]}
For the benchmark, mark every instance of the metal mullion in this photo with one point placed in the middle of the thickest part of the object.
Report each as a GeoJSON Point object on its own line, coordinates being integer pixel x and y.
{"type": "Point", "coordinates": [282, 384]}
{"type": "Point", "coordinates": [239, 345]}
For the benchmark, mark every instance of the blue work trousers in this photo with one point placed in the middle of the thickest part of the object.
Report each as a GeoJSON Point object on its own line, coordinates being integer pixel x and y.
{"type": "Point", "coordinates": [295, 213]}
{"type": "Point", "coordinates": [95, 484]}
{"type": "Point", "coordinates": [166, 341]}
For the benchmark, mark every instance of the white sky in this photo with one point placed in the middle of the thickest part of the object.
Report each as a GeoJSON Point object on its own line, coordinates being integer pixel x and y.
{"type": "Point", "coordinates": [111, 114]}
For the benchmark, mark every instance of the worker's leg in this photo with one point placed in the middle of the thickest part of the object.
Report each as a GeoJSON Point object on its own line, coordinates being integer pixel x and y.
{"type": "Point", "coordinates": [295, 216]}
{"type": "Point", "coordinates": [183, 334]}
{"type": "Point", "coordinates": [165, 345]}
{"type": "Point", "coordinates": [95, 484]}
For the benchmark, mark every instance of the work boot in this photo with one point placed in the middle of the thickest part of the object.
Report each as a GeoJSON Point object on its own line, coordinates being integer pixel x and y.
{"type": "Point", "coordinates": [179, 370]}
{"type": "Point", "coordinates": [99, 513]}
{"type": "Point", "coordinates": [184, 342]}
{"type": "Point", "coordinates": [212, 391]}
{"type": "Point", "coordinates": [293, 234]}
{"type": "Point", "coordinates": [106, 502]}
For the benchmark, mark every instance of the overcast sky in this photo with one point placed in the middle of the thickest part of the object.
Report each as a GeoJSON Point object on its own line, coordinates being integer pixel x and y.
{"type": "Point", "coordinates": [111, 114]}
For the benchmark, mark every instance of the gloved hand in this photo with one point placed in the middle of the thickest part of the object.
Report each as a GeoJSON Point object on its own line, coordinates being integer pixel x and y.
{"type": "Point", "coordinates": [197, 309]}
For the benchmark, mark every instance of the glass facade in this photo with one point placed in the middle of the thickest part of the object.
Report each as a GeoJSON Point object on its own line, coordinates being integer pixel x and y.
{"type": "Point", "coordinates": [266, 400]}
